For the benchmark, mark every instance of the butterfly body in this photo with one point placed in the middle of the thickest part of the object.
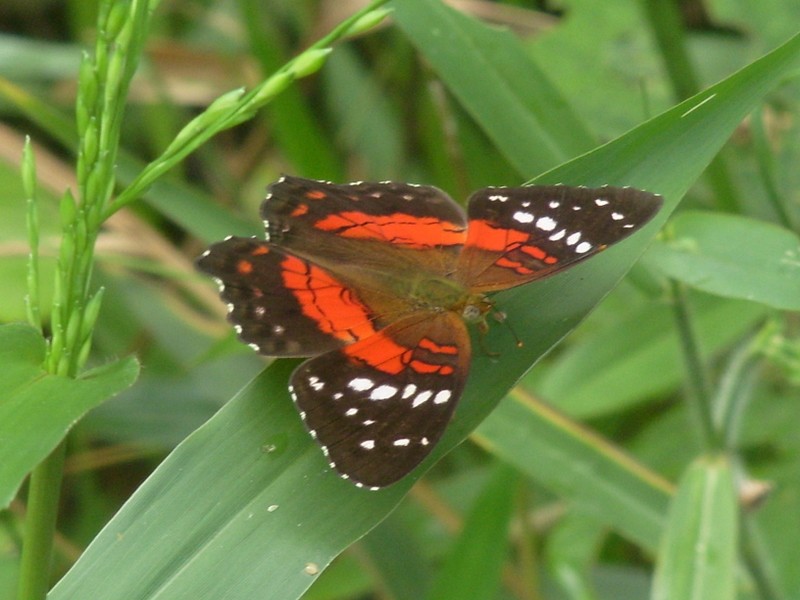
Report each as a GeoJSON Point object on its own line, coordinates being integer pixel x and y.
{"type": "Point", "coordinates": [376, 282]}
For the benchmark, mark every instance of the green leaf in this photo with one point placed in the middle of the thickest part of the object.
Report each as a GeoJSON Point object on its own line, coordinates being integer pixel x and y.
{"type": "Point", "coordinates": [489, 72]}
{"type": "Point", "coordinates": [201, 526]}
{"type": "Point", "coordinates": [697, 559]}
{"type": "Point", "coordinates": [36, 408]}
{"type": "Point", "coordinates": [473, 567]}
{"type": "Point", "coordinates": [578, 466]}
{"type": "Point", "coordinates": [732, 256]}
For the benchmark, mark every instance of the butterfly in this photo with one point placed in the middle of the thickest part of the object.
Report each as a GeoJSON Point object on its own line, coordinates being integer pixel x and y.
{"type": "Point", "coordinates": [377, 282]}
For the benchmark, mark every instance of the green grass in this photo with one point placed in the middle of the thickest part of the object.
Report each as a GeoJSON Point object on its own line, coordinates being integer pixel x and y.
{"type": "Point", "coordinates": [611, 469]}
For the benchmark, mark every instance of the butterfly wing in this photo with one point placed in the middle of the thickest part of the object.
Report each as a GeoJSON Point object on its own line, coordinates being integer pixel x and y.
{"type": "Point", "coordinates": [386, 227]}
{"type": "Point", "coordinates": [283, 305]}
{"type": "Point", "coordinates": [519, 234]}
{"type": "Point", "coordinates": [378, 406]}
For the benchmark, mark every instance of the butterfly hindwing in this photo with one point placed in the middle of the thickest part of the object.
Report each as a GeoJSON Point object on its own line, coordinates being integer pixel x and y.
{"type": "Point", "coordinates": [283, 305]}
{"type": "Point", "coordinates": [378, 407]}
{"type": "Point", "coordinates": [519, 234]}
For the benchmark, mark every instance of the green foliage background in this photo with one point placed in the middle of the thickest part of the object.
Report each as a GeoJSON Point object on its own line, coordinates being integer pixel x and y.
{"type": "Point", "coordinates": [623, 465]}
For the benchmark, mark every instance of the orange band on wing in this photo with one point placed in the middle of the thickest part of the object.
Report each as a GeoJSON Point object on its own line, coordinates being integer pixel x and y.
{"type": "Point", "coordinates": [332, 306]}
{"type": "Point", "coordinates": [484, 235]}
{"type": "Point", "coordinates": [429, 344]}
{"type": "Point", "coordinates": [399, 228]}
{"type": "Point", "coordinates": [386, 355]}
{"type": "Point", "coordinates": [423, 367]}
{"type": "Point", "coordinates": [514, 265]}
{"type": "Point", "coordinates": [539, 254]}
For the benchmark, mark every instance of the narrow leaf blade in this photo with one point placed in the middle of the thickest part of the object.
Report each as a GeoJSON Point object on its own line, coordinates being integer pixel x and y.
{"type": "Point", "coordinates": [697, 559]}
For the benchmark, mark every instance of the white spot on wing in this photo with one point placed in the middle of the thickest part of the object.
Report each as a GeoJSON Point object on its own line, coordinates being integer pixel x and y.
{"type": "Point", "coordinates": [546, 224]}
{"type": "Point", "coordinates": [361, 384]}
{"type": "Point", "coordinates": [442, 397]}
{"type": "Point", "coordinates": [367, 444]}
{"type": "Point", "coordinates": [583, 247]}
{"type": "Point", "coordinates": [600, 201]}
{"type": "Point", "coordinates": [421, 398]}
{"type": "Point", "coordinates": [383, 392]}
{"type": "Point", "coordinates": [573, 238]}
{"type": "Point", "coordinates": [401, 442]}
{"type": "Point", "coordinates": [409, 391]}
{"type": "Point", "coordinates": [557, 236]}
{"type": "Point", "coordinates": [351, 412]}
{"type": "Point", "coordinates": [617, 216]}
{"type": "Point", "coordinates": [523, 217]}
{"type": "Point", "coordinates": [498, 198]}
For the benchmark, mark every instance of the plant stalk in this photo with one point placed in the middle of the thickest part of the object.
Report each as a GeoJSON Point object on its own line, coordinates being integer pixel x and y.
{"type": "Point", "coordinates": [699, 387]}
{"type": "Point", "coordinates": [40, 526]}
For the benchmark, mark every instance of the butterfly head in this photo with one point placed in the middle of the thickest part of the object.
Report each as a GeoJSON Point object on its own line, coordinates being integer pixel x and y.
{"type": "Point", "coordinates": [475, 307]}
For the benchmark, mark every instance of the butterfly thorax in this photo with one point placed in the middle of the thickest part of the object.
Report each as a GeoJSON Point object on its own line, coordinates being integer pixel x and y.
{"type": "Point", "coordinates": [434, 293]}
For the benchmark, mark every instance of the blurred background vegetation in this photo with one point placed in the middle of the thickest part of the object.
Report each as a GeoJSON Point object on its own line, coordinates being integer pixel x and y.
{"type": "Point", "coordinates": [377, 111]}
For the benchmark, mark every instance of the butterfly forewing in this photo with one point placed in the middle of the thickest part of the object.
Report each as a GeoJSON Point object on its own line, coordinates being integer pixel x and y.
{"type": "Point", "coordinates": [283, 305]}
{"type": "Point", "coordinates": [389, 227]}
{"type": "Point", "coordinates": [378, 407]}
{"type": "Point", "coordinates": [520, 234]}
